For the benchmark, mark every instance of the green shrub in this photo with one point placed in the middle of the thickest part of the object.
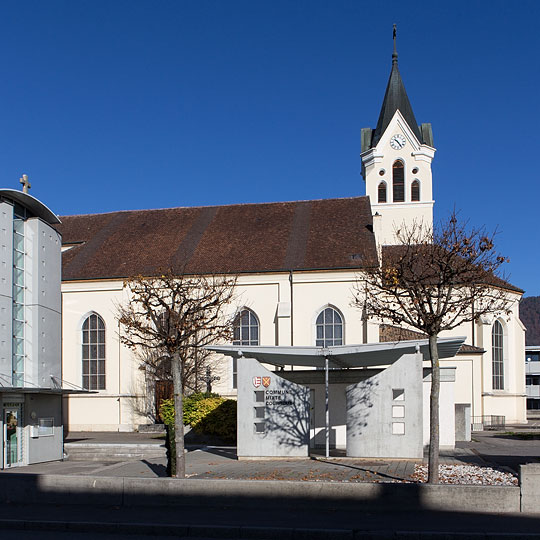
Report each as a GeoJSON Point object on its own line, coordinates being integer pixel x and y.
{"type": "Point", "coordinates": [195, 409]}
{"type": "Point", "coordinates": [166, 411]}
{"type": "Point", "coordinates": [206, 413]}
{"type": "Point", "coordinates": [220, 420]}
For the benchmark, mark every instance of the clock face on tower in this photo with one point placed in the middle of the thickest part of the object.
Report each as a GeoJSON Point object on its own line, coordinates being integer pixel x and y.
{"type": "Point", "coordinates": [397, 142]}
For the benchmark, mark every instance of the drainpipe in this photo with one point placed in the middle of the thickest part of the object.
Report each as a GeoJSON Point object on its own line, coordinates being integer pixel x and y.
{"type": "Point", "coordinates": [292, 305]}
{"type": "Point", "coordinates": [119, 379]}
{"type": "Point", "coordinates": [327, 415]}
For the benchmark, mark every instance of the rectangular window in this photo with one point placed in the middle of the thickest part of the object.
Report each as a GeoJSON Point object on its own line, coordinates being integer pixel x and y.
{"type": "Point", "coordinates": [46, 427]}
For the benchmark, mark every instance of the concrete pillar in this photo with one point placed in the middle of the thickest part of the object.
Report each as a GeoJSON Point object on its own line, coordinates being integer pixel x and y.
{"type": "Point", "coordinates": [529, 480]}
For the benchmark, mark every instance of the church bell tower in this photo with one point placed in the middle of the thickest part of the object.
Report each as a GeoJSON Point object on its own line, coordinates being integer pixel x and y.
{"type": "Point", "coordinates": [396, 163]}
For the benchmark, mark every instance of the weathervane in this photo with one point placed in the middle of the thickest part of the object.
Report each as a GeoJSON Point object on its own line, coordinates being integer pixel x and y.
{"type": "Point", "coordinates": [394, 54]}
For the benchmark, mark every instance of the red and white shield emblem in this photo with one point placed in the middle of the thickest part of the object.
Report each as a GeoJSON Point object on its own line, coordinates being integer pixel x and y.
{"type": "Point", "coordinates": [256, 382]}
{"type": "Point", "coordinates": [266, 381]}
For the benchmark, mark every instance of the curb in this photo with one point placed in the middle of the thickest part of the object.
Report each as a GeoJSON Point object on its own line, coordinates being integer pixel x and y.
{"type": "Point", "coordinates": [251, 533]}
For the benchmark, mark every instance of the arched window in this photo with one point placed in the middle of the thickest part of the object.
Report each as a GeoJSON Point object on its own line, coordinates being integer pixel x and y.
{"type": "Point", "coordinates": [497, 351]}
{"type": "Point", "coordinates": [93, 353]}
{"type": "Point", "coordinates": [382, 192]}
{"type": "Point", "coordinates": [329, 328]}
{"type": "Point", "coordinates": [246, 328]}
{"type": "Point", "coordinates": [398, 181]}
{"type": "Point", "coordinates": [246, 332]}
{"type": "Point", "coordinates": [415, 191]}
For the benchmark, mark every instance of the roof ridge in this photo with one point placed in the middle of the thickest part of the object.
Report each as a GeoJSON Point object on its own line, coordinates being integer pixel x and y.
{"type": "Point", "coordinates": [213, 206]}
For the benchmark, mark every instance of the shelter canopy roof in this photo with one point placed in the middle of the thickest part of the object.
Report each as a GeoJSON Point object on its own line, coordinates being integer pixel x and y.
{"type": "Point", "coordinates": [343, 356]}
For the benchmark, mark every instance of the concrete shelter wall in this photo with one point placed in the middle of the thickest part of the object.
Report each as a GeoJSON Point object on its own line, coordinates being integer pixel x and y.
{"type": "Point", "coordinates": [273, 413]}
{"type": "Point", "coordinates": [383, 421]}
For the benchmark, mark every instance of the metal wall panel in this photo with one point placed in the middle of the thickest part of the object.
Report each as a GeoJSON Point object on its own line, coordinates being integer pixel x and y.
{"type": "Point", "coordinates": [6, 290]}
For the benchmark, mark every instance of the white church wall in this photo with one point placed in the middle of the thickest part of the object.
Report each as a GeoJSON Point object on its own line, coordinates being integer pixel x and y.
{"type": "Point", "coordinates": [269, 297]}
{"type": "Point", "coordinates": [115, 407]}
{"type": "Point", "coordinates": [120, 405]}
{"type": "Point", "coordinates": [510, 400]}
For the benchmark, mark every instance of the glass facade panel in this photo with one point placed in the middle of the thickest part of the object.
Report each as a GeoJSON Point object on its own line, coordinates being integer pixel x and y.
{"type": "Point", "coordinates": [18, 259]}
{"type": "Point", "coordinates": [18, 315]}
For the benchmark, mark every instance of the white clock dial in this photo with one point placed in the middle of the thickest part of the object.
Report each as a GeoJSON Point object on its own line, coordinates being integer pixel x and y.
{"type": "Point", "coordinates": [397, 142]}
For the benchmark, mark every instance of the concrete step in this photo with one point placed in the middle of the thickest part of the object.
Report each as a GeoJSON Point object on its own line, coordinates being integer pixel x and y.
{"type": "Point", "coordinates": [151, 428]}
{"type": "Point", "coordinates": [114, 452]}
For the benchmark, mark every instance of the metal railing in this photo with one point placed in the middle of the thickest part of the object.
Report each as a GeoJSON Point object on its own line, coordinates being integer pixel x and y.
{"type": "Point", "coordinates": [488, 423]}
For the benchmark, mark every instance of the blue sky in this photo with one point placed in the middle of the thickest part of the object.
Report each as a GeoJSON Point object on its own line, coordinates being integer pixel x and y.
{"type": "Point", "coordinates": [112, 105]}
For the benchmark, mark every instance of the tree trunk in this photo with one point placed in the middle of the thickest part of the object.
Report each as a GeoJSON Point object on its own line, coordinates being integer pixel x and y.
{"type": "Point", "coordinates": [433, 460]}
{"type": "Point", "coordinates": [178, 417]}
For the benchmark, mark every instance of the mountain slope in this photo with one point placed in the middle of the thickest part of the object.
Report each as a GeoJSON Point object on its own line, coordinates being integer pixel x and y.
{"type": "Point", "coordinates": [529, 313]}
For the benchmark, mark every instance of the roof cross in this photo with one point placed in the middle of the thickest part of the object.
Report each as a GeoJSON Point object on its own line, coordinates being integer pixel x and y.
{"type": "Point", "coordinates": [26, 184]}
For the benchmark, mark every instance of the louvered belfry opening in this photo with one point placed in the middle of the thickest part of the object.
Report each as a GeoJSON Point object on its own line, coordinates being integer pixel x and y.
{"type": "Point", "coordinates": [415, 191]}
{"type": "Point", "coordinates": [382, 192]}
{"type": "Point", "coordinates": [398, 182]}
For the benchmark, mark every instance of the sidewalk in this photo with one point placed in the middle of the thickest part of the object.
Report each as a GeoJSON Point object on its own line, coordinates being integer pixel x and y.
{"type": "Point", "coordinates": [493, 449]}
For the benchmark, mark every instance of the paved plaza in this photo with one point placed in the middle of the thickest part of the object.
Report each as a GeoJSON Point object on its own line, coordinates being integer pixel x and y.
{"type": "Point", "coordinates": [499, 450]}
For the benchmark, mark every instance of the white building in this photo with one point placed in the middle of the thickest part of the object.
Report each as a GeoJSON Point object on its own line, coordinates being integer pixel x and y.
{"type": "Point", "coordinates": [532, 380]}
{"type": "Point", "coordinates": [297, 265]}
{"type": "Point", "coordinates": [30, 332]}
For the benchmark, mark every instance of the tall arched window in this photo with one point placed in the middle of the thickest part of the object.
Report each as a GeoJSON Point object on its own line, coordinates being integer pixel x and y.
{"type": "Point", "coordinates": [398, 181]}
{"type": "Point", "coordinates": [93, 353]}
{"type": "Point", "coordinates": [415, 191]}
{"type": "Point", "coordinates": [246, 332]}
{"type": "Point", "coordinates": [497, 351]}
{"type": "Point", "coordinates": [382, 192]}
{"type": "Point", "coordinates": [246, 328]}
{"type": "Point", "coordinates": [329, 328]}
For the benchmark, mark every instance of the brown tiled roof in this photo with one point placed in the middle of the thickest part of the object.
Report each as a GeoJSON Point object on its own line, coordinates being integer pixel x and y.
{"type": "Point", "coordinates": [389, 252]}
{"type": "Point", "coordinates": [395, 333]}
{"type": "Point", "coordinates": [245, 238]}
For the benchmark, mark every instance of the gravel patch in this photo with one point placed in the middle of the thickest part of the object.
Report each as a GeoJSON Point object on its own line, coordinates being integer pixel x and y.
{"type": "Point", "coordinates": [466, 474]}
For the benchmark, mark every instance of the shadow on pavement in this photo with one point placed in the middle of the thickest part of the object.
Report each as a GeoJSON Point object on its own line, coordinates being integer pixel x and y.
{"type": "Point", "coordinates": [156, 468]}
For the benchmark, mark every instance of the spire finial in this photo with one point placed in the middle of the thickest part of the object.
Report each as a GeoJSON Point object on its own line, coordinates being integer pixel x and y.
{"type": "Point", "coordinates": [394, 54]}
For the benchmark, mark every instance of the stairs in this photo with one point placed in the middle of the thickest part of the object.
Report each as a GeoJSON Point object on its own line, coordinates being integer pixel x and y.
{"type": "Point", "coordinates": [97, 451]}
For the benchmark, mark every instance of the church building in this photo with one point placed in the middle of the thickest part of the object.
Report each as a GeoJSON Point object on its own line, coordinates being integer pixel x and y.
{"type": "Point", "coordinates": [297, 265]}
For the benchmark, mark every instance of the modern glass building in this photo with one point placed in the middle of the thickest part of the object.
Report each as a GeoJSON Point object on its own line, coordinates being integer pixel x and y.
{"type": "Point", "coordinates": [532, 378]}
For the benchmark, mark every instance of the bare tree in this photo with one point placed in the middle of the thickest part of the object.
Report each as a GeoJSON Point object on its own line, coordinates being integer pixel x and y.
{"type": "Point", "coordinates": [177, 315]}
{"type": "Point", "coordinates": [432, 281]}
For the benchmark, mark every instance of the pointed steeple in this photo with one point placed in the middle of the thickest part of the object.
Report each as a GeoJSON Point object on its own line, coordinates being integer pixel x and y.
{"type": "Point", "coordinates": [395, 98]}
